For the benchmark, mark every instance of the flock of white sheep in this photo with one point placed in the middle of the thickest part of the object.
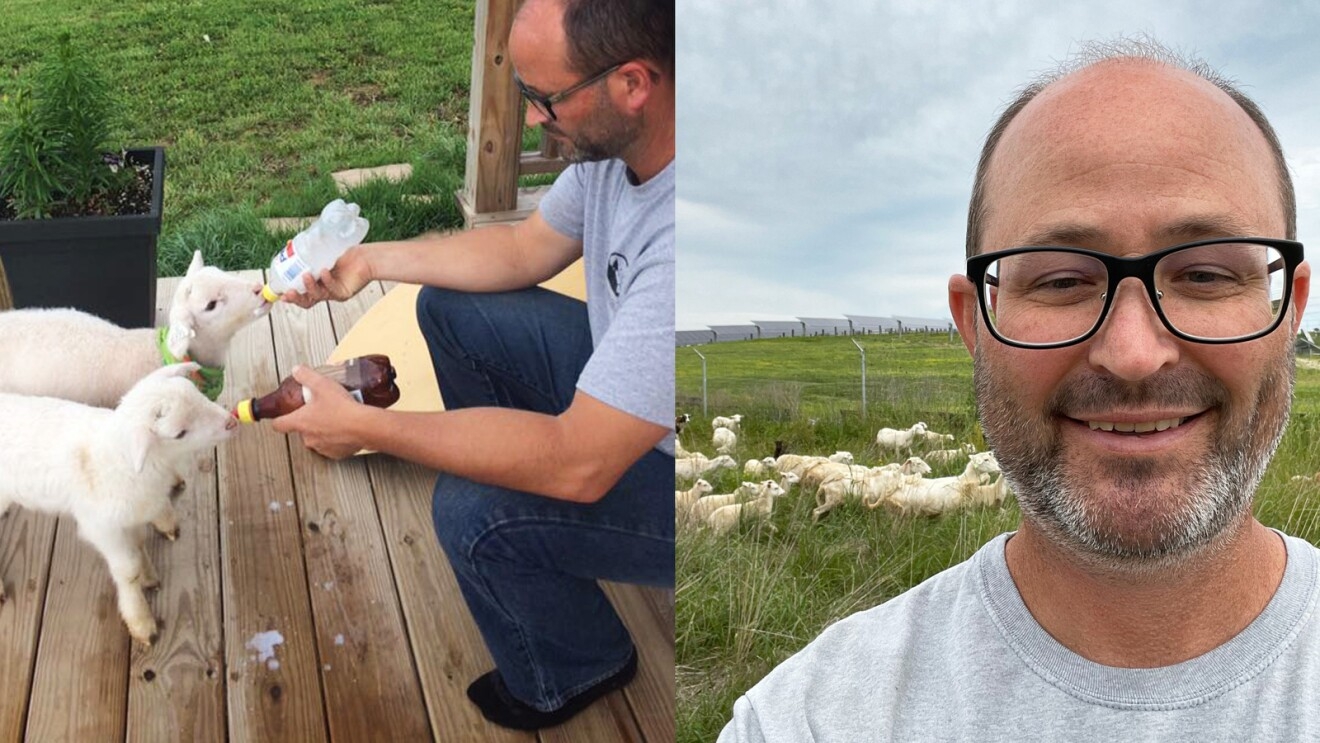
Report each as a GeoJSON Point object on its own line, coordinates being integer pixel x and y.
{"type": "Point", "coordinates": [901, 487]}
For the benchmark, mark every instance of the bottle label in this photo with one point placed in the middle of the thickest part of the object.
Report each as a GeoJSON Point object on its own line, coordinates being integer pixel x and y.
{"type": "Point", "coordinates": [289, 265]}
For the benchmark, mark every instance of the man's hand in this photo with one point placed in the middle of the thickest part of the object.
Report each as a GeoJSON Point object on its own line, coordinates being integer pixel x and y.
{"type": "Point", "coordinates": [349, 274]}
{"type": "Point", "coordinates": [324, 422]}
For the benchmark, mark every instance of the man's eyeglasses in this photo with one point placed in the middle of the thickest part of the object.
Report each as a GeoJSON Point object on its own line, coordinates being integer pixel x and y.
{"type": "Point", "coordinates": [545, 103]}
{"type": "Point", "coordinates": [1225, 290]}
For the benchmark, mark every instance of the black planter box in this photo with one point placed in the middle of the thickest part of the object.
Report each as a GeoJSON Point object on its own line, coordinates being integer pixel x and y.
{"type": "Point", "coordinates": [102, 265]}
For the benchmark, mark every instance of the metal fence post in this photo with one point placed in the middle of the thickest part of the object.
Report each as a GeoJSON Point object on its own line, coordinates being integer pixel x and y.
{"type": "Point", "coordinates": [704, 412]}
{"type": "Point", "coordinates": [863, 352]}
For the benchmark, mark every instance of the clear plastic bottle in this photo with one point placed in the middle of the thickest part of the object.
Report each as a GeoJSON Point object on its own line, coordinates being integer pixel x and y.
{"type": "Point", "coordinates": [370, 379]}
{"type": "Point", "coordinates": [315, 249]}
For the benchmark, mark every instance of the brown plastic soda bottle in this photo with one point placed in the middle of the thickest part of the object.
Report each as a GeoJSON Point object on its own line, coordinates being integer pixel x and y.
{"type": "Point", "coordinates": [370, 379]}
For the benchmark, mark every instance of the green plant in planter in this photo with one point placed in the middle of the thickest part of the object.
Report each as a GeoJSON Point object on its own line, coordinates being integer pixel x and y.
{"type": "Point", "coordinates": [53, 145]}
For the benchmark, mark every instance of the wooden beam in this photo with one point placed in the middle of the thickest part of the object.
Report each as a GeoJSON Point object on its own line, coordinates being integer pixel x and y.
{"type": "Point", "coordinates": [533, 162]}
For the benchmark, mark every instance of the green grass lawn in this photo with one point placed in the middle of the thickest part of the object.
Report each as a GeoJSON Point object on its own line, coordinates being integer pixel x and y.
{"type": "Point", "coordinates": [750, 599]}
{"type": "Point", "coordinates": [258, 102]}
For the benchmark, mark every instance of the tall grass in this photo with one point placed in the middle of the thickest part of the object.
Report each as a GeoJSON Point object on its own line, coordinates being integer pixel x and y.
{"type": "Point", "coordinates": [750, 599]}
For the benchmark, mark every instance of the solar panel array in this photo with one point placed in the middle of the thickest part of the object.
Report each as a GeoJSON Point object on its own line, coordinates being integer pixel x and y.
{"type": "Point", "coordinates": [812, 326]}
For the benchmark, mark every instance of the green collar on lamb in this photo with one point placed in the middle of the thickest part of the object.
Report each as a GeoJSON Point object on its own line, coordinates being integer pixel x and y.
{"type": "Point", "coordinates": [209, 379]}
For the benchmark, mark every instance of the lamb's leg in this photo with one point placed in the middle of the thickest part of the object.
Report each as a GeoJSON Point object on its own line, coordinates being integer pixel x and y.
{"type": "Point", "coordinates": [150, 580]}
{"type": "Point", "coordinates": [124, 558]}
{"type": "Point", "coordinates": [167, 523]}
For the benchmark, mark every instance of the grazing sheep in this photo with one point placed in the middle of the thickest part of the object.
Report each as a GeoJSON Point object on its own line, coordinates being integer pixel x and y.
{"type": "Point", "coordinates": [112, 470]}
{"type": "Point", "coordinates": [930, 438]}
{"type": "Point", "coordinates": [862, 483]}
{"type": "Point", "coordinates": [725, 441]}
{"type": "Point", "coordinates": [945, 456]}
{"type": "Point", "coordinates": [724, 519]}
{"type": "Point", "coordinates": [815, 476]}
{"type": "Point", "coordinates": [889, 439]}
{"type": "Point", "coordinates": [679, 451]}
{"type": "Point", "coordinates": [683, 499]}
{"type": "Point", "coordinates": [732, 423]}
{"type": "Point", "coordinates": [989, 495]}
{"type": "Point", "coordinates": [843, 457]}
{"type": "Point", "coordinates": [758, 468]}
{"type": "Point", "coordinates": [934, 497]}
{"type": "Point", "coordinates": [698, 465]}
{"type": "Point", "coordinates": [885, 480]}
{"type": "Point", "coordinates": [707, 504]}
{"type": "Point", "coordinates": [76, 356]}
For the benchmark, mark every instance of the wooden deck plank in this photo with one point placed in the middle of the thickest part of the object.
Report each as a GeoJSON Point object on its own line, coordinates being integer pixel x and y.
{"type": "Point", "coordinates": [176, 687]}
{"type": "Point", "coordinates": [80, 689]}
{"type": "Point", "coordinates": [445, 642]}
{"type": "Point", "coordinates": [371, 689]}
{"type": "Point", "coordinates": [264, 577]}
{"type": "Point", "coordinates": [27, 539]}
{"type": "Point", "coordinates": [651, 693]}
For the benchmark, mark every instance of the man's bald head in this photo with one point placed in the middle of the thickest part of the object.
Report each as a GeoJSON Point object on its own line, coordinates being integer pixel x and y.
{"type": "Point", "coordinates": [601, 33]}
{"type": "Point", "coordinates": [1126, 52]}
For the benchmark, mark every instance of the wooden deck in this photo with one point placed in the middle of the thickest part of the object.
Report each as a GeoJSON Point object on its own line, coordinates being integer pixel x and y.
{"type": "Point", "coordinates": [338, 557]}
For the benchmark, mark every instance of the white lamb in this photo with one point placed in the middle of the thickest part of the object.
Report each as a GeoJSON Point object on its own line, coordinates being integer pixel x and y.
{"type": "Point", "coordinates": [934, 497]}
{"type": "Point", "coordinates": [931, 438]}
{"type": "Point", "coordinates": [989, 495]}
{"type": "Point", "coordinates": [946, 456]}
{"type": "Point", "coordinates": [683, 499]}
{"type": "Point", "coordinates": [706, 505]}
{"type": "Point", "coordinates": [76, 356]}
{"type": "Point", "coordinates": [699, 466]}
{"type": "Point", "coordinates": [725, 441]}
{"type": "Point", "coordinates": [885, 480]}
{"type": "Point", "coordinates": [889, 439]}
{"type": "Point", "coordinates": [870, 485]}
{"type": "Point", "coordinates": [112, 470]}
{"type": "Point", "coordinates": [759, 468]}
{"type": "Point", "coordinates": [843, 457]}
{"type": "Point", "coordinates": [724, 519]}
{"type": "Point", "coordinates": [733, 423]}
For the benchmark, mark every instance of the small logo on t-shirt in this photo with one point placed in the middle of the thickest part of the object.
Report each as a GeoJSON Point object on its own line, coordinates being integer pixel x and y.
{"type": "Point", "coordinates": [617, 266]}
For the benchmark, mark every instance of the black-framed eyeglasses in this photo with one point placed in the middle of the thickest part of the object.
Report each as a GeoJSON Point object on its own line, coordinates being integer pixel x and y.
{"type": "Point", "coordinates": [545, 103]}
{"type": "Point", "coordinates": [1225, 290]}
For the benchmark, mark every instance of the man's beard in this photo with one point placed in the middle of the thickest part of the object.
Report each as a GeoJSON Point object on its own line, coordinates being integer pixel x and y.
{"type": "Point", "coordinates": [1135, 513]}
{"type": "Point", "coordinates": [605, 134]}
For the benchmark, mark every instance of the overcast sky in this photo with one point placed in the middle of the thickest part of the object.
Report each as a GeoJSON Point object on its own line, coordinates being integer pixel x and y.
{"type": "Point", "coordinates": [827, 149]}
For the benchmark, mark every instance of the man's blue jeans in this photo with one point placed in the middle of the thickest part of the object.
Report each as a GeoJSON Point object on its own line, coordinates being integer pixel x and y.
{"type": "Point", "coordinates": [528, 564]}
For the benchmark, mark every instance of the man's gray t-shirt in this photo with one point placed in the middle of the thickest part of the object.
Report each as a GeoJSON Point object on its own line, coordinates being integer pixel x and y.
{"type": "Point", "coordinates": [960, 658]}
{"type": "Point", "coordinates": [627, 234]}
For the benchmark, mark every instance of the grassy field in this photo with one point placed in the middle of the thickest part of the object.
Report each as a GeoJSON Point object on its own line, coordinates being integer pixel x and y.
{"type": "Point", "coordinates": [747, 601]}
{"type": "Point", "coordinates": [257, 102]}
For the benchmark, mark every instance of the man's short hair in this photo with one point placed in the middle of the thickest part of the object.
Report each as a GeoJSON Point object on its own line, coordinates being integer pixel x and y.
{"type": "Point", "coordinates": [1139, 48]}
{"type": "Point", "coordinates": [606, 32]}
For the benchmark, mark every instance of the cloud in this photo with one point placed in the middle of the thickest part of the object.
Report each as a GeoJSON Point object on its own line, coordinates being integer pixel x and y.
{"type": "Point", "coordinates": [826, 152]}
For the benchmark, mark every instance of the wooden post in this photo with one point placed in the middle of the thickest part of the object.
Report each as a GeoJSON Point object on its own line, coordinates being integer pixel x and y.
{"type": "Point", "coordinates": [495, 159]}
{"type": "Point", "coordinates": [490, 181]}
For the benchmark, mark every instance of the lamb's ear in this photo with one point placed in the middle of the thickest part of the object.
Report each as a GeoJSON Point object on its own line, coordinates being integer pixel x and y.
{"type": "Point", "coordinates": [182, 329]}
{"type": "Point", "coordinates": [196, 264]}
{"type": "Point", "coordinates": [139, 443]}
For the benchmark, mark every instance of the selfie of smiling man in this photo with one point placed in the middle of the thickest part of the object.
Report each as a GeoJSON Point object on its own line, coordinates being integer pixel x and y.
{"type": "Point", "coordinates": [1131, 296]}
